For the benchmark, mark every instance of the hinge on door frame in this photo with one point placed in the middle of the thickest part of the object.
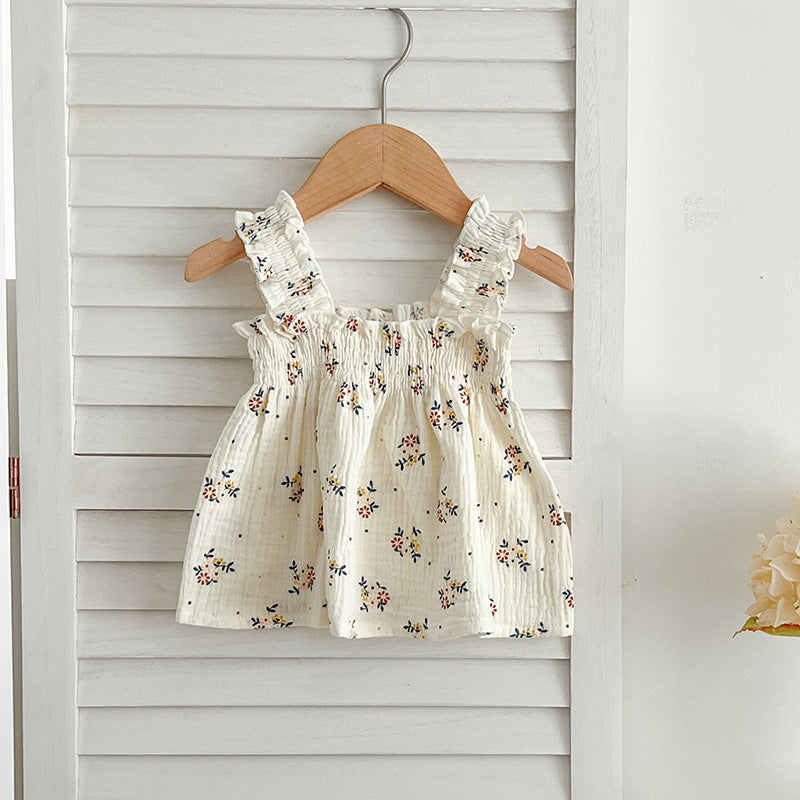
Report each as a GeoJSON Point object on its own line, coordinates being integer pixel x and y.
{"type": "Point", "coordinates": [13, 487]}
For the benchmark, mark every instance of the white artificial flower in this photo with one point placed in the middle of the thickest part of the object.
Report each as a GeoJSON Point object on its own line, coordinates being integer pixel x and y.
{"type": "Point", "coordinates": [774, 574]}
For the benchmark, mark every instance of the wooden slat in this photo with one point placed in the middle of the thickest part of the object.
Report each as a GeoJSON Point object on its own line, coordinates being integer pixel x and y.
{"type": "Point", "coordinates": [128, 586]}
{"type": "Point", "coordinates": [206, 333]}
{"type": "Point", "coordinates": [327, 682]}
{"type": "Point", "coordinates": [547, 5]}
{"type": "Point", "coordinates": [161, 381]}
{"type": "Point", "coordinates": [221, 182]}
{"type": "Point", "coordinates": [156, 634]}
{"type": "Point", "coordinates": [221, 382]}
{"type": "Point", "coordinates": [390, 777]}
{"type": "Point", "coordinates": [145, 536]}
{"type": "Point", "coordinates": [308, 133]}
{"type": "Point", "coordinates": [283, 33]}
{"type": "Point", "coordinates": [413, 235]}
{"type": "Point", "coordinates": [110, 281]}
{"type": "Point", "coordinates": [319, 83]}
{"type": "Point", "coordinates": [131, 535]}
{"type": "Point", "coordinates": [173, 483]}
{"type": "Point", "coordinates": [182, 430]}
{"type": "Point", "coordinates": [244, 731]}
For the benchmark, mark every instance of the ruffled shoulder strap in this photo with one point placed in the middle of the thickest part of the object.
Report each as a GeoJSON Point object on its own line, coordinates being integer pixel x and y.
{"type": "Point", "coordinates": [474, 282]}
{"type": "Point", "coordinates": [279, 251]}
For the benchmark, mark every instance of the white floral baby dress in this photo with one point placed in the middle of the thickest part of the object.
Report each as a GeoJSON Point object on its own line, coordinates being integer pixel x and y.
{"type": "Point", "coordinates": [377, 478]}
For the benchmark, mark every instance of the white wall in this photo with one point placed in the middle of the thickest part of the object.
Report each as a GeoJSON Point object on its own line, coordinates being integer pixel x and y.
{"type": "Point", "coordinates": [712, 387]}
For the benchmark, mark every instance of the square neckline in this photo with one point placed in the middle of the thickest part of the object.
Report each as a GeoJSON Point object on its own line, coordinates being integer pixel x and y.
{"type": "Point", "coordinates": [471, 285]}
{"type": "Point", "coordinates": [363, 313]}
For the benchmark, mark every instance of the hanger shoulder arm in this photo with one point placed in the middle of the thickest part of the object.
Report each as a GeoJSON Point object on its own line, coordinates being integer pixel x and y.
{"type": "Point", "coordinates": [213, 256]}
{"type": "Point", "coordinates": [548, 264]}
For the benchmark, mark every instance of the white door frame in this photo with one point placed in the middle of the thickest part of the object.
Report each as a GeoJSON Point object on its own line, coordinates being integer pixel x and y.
{"type": "Point", "coordinates": [47, 553]}
{"type": "Point", "coordinates": [7, 605]}
{"type": "Point", "coordinates": [601, 121]}
{"type": "Point", "coordinates": [46, 457]}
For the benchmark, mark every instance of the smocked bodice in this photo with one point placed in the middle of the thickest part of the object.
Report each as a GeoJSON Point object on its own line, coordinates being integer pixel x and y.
{"type": "Point", "coordinates": [458, 332]}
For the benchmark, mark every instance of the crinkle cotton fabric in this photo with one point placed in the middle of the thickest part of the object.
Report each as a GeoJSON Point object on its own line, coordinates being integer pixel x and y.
{"type": "Point", "coordinates": [378, 478]}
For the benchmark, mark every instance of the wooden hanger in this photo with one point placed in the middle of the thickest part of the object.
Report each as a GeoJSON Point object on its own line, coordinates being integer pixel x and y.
{"type": "Point", "coordinates": [366, 159]}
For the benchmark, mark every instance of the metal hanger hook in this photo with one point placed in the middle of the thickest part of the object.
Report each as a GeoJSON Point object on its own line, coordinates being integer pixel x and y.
{"type": "Point", "coordinates": [410, 29]}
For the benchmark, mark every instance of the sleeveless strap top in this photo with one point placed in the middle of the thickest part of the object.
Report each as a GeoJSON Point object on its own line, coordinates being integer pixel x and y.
{"type": "Point", "coordinates": [471, 292]}
{"type": "Point", "coordinates": [378, 477]}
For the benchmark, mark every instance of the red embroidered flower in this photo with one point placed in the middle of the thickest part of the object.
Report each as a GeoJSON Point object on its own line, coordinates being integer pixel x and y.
{"type": "Point", "coordinates": [556, 515]}
{"type": "Point", "coordinates": [205, 576]}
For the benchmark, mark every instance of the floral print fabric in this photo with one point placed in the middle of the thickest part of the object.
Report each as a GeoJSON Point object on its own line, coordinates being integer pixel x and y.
{"type": "Point", "coordinates": [378, 478]}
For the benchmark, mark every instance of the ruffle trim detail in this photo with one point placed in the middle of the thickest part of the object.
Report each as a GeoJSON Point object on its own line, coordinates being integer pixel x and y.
{"type": "Point", "coordinates": [470, 295]}
{"type": "Point", "coordinates": [473, 287]}
{"type": "Point", "coordinates": [277, 245]}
